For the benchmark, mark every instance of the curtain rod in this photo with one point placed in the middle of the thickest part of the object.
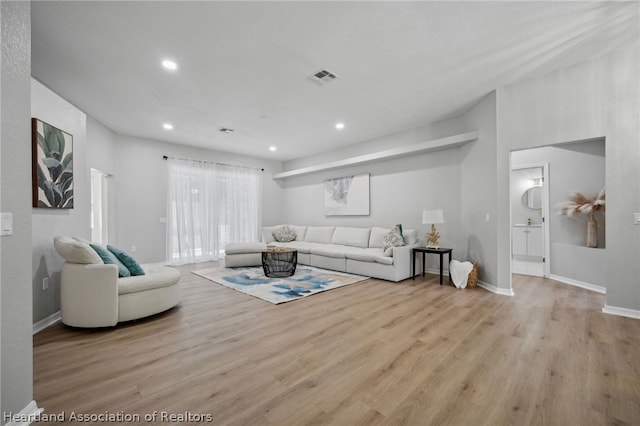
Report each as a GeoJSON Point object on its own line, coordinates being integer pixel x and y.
{"type": "Point", "coordinates": [164, 157]}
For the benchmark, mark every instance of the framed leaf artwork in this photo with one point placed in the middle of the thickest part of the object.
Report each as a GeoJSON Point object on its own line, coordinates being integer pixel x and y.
{"type": "Point", "coordinates": [52, 168]}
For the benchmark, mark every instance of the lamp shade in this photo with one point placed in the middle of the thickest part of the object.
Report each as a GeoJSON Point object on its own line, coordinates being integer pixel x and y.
{"type": "Point", "coordinates": [432, 216]}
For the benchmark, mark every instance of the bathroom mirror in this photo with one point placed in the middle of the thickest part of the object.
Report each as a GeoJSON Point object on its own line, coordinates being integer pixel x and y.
{"type": "Point", "coordinates": [532, 198]}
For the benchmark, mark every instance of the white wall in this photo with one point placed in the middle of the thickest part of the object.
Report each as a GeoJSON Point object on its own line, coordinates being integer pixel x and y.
{"type": "Point", "coordinates": [599, 98]}
{"type": "Point", "coordinates": [48, 223]}
{"type": "Point", "coordinates": [140, 182]}
{"type": "Point", "coordinates": [16, 344]}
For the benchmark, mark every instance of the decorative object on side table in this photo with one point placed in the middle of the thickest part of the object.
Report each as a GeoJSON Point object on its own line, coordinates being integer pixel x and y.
{"type": "Point", "coordinates": [581, 204]}
{"type": "Point", "coordinates": [52, 168]}
{"type": "Point", "coordinates": [433, 217]}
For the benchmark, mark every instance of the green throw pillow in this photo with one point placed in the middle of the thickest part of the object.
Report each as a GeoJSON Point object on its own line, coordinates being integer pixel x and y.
{"type": "Point", "coordinates": [110, 259]}
{"type": "Point", "coordinates": [128, 261]}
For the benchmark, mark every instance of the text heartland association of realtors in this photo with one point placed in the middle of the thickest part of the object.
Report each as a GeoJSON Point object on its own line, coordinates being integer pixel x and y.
{"type": "Point", "coordinates": [108, 417]}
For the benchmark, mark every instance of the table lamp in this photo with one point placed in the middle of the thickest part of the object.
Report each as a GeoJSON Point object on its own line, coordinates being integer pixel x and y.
{"type": "Point", "coordinates": [433, 217]}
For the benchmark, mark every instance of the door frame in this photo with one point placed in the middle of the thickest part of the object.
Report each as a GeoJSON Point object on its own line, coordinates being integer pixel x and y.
{"type": "Point", "coordinates": [545, 211]}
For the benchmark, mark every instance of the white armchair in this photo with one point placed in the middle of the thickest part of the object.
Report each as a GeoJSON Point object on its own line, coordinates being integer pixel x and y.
{"type": "Point", "coordinates": [92, 294]}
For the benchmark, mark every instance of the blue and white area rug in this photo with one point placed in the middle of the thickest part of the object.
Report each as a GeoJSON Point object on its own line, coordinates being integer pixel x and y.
{"type": "Point", "coordinates": [306, 281]}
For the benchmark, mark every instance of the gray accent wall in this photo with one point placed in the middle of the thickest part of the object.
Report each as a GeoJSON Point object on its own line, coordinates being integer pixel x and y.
{"type": "Point", "coordinates": [16, 345]}
{"type": "Point", "coordinates": [48, 223]}
{"type": "Point", "coordinates": [400, 188]}
{"type": "Point", "coordinates": [599, 98]}
{"type": "Point", "coordinates": [477, 191]}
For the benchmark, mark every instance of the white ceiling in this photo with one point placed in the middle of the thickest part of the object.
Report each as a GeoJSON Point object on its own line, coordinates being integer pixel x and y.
{"type": "Point", "coordinates": [245, 65]}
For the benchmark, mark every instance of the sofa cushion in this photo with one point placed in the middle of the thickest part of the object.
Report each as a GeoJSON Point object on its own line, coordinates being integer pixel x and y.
{"type": "Point", "coordinates": [377, 235]}
{"type": "Point", "coordinates": [410, 236]}
{"type": "Point", "coordinates": [373, 254]}
{"type": "Point", "coordinates": [243, 248]}
{"type": "Point", "coordinates": [109, 258]}
{"type": "Point", "coordinates": [301, 231]}
{"type": "Point", "coordinates": [158, 276]}
{"type": "Point", "coordinates": [333, 250]}
{"type": "Point", "coordinates": [392, 239]}
{"type": "Point", "coordinates": [301, 246]}
{"type": "Point", "coordinates": [319, 234]}
{"type": "Point", "coordinates": [132, 265]}
{"type": "Point", "coordinates": [267, 233]}
{"type": "Point", "coordinates": [284, 234]}
{"type": "Point", "coordinates": [355, 237]}
{"type": "Point", "coordinates": [75, 251]}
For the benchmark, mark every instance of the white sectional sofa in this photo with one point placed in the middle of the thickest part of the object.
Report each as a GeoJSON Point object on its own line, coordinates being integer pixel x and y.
{"type": "Point", "coordinates": [346, 249]}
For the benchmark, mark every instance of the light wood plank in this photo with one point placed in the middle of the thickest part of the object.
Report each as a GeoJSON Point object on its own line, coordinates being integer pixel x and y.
{"type": "Point", "coordinates": [371, 353]}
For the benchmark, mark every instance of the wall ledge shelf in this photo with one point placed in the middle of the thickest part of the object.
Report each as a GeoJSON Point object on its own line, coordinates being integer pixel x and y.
{"type": "Point", "coordinates": [422, 147]}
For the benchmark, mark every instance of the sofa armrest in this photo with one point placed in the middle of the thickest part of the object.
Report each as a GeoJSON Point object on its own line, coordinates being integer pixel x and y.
{"type": "Point", "coordinates": [89, 295]}
{"type": "Point", "coordinates": [402, 257]}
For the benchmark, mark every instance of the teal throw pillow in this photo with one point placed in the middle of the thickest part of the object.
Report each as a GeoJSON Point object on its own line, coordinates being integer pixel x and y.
{"type": "Point", "coordinates": [110, 259]}
{"type": "Point", "coordinates": [128, 261]}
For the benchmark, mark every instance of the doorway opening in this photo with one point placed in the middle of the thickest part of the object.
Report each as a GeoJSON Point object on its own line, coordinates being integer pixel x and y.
{"type": "Point", "coordinates": [529, 216]}
{"type": "Point", "coordinates": [99, 206]}
{"type": "Point", "coordinates": [574, 169]}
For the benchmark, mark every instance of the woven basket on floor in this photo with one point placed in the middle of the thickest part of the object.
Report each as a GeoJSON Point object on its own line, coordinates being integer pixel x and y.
{"type": "Point", "coordinates": [472, 281]}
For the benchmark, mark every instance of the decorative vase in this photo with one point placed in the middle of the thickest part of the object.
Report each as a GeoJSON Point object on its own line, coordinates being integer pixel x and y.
{"type": "Point", "coordinates": [592, 232]}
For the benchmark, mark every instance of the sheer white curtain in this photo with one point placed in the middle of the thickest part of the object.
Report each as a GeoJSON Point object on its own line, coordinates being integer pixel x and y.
{"type": "Point", "coordinates": [208, 206]}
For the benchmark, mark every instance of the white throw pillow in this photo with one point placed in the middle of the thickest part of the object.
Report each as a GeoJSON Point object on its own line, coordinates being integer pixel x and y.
{"type": "Point", "coordinates": [319, 234]}
{"type": "Point", "coordinates": [355, 237]}
{"type": "Point", "coordinates": [284, 235]}
{"type": "Point", "coordinates": [267, 233]}
{"type": "Point", "coordinates": [391, 240]}
{"type": "Point", "coordinates": [74, 251]}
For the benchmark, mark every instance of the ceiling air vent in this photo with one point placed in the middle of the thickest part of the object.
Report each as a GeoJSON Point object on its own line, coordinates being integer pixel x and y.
{"type": "Point", "coordinates": [225, 130]}
{"type": "Point", "coordinates": [323, 77]}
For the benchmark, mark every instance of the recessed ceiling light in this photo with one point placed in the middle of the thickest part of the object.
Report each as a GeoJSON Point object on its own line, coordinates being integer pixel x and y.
{"type": "Point", "coordinates": [168, 126]}
{"type": "Point", "coordinates": [272, 148]}
{"type": "Point", "coordinates": [169, 64]}
{"type": "Point", "coordinates": [339, 126]}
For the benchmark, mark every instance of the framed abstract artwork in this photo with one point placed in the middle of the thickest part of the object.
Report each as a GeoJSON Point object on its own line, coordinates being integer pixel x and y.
{"type": "Point", "coordinates": [52, 168]}
{"type": "Point", "coordinates": [347, 196]}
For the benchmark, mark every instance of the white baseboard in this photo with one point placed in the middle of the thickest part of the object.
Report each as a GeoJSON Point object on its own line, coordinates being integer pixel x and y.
{"type": "Point", "coordinates": [46, 322]}
{"type": "Point", "coordinates": [623, 312]}
{"type": "Point", "coordinates": [25, 417]}
{"type": "Point", "coordinates": [495, 289]}
{"type": "Point", "coordinates": [581, 284]}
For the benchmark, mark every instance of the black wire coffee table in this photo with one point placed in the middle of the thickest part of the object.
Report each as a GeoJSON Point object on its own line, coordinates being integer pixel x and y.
{"type": "Point", "coordinates": [279, 262]}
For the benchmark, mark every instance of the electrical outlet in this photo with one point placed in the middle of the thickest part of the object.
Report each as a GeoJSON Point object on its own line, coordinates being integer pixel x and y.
{"type": "Point", "coordinates": [45, 284]}
{"type": "Point", "coordinates": [133, 249]}
{"type": "Point", "coordinates": [636, 218]}
{"type": "Point", "coordinates": [487, 218]}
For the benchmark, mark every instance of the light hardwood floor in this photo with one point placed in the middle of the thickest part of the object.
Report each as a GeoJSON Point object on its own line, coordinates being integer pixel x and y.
{"type": "Point", "coordinates": [371, 353]}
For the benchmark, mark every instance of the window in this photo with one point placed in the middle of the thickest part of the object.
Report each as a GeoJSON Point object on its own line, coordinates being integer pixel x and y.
{"type": "Point", "coordinates": [210, 205]}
